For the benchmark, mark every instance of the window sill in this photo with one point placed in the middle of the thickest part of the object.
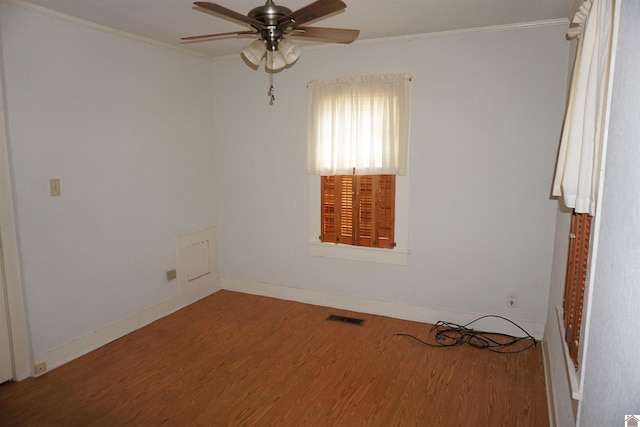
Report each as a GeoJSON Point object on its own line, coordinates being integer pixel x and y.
{"type": "Point", "coordinates": [574, 381]}
{"type": "Point", "coordinates": [358, 253]}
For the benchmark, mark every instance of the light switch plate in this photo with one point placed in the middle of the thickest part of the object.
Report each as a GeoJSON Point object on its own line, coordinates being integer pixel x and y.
{"type": "Point", "coordinates": [54, 186]}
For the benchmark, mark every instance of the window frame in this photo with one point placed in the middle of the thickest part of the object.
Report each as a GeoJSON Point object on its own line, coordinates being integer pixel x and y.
{"type": "Point", "coordinates": [398, 166]}
{"type": "Point", "coordinates": [575, 373]}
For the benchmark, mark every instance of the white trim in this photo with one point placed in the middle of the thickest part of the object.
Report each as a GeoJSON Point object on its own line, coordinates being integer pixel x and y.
{"type": "Point", "coordinates": [492, 28]}
{"type": "Point", "coordinates": [487, 29]}
{"type": "Point", "coordinates": [574, 382]}
{"type": "Point", "coordinates": [87, 343]}
{"type": "Point", "coordinates": [359, 253]}
{"type": "Point", "coordinates": [546, 364]}
{"type": "Point", "coordinates": [85, 23]}
{"type": "Point", "coordinates": [396, 310]}
{"type": "Point", "coordinates": [20, 344]}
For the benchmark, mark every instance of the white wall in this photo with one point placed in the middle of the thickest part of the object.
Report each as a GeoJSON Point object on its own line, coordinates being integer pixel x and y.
{"type": "Point", "coordinates": [127, 127]}
{"type": "Point", "coordinates": [487, 110]}
{"type": "Point", "coordinates": [612, 347]}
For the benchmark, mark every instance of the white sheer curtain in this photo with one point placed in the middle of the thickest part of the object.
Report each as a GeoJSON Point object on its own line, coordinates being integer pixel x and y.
{"type": "Point", "coordinates": [359, 122]}
{"type": "Point", "coordinates": [579, 157]}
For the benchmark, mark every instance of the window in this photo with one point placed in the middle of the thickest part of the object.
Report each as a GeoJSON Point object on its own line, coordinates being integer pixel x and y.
{"type": "Point", "coordinates": [358, 140]}
{"type": "Point", "coordinates": [358, 210]}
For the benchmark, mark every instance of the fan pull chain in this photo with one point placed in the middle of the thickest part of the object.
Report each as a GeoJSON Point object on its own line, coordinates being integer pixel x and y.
{"type": "Point", "coordinates": [270, 94]}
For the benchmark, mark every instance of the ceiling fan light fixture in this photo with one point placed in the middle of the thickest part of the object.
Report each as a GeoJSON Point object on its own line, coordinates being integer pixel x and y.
{"type": "Point", "coordinates": [275, 60]}
{"type": "Point", "coordinates": [254, 52]}
{"type": "Point", "coordinates": [289, 51]}
{"type": "Point", "coordinates": [271, 23]}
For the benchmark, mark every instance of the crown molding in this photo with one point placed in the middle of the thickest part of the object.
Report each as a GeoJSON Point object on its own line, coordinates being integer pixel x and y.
{"type": "Point", "coordinates": [63, 16]}
{"type": "Point", "coordinates": [488, 29]}
{"type": "Point", "coordinates": [85, 23]}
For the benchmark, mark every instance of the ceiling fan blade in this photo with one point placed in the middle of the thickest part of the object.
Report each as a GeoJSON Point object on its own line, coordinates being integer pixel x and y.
{"type": "Point", "coordinates": [310, 12]}
{"type": "Point", "coordinates": [212, 36]}
{"type": "Point", "coordinates": [336, 35]}
{"type": "Point", "coordinates": [207, 7]}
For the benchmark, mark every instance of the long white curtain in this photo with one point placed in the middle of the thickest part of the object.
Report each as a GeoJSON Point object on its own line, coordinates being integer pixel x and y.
{"type": "Point", "coordinates": [579, 157]}
{"type": "Point", "coordinates": [360, 122]}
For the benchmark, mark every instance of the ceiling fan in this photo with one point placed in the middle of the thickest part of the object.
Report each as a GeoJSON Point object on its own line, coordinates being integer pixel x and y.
{"type": "Point", "coordinates": [271, 23]}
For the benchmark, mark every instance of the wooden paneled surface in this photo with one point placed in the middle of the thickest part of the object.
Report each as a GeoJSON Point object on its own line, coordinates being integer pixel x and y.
{"type": "Point", "coordinates": [241, 360]}
{"type": "Point", "coordinates": [575, 281]}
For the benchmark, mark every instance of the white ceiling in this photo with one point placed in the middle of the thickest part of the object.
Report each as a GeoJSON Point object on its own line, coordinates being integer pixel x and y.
{"type": "Point", "coordinates": [168, 20]}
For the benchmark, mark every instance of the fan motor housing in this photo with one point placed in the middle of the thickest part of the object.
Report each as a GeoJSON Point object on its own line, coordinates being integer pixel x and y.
{"type": "Point", "coordinates": [269, 13]}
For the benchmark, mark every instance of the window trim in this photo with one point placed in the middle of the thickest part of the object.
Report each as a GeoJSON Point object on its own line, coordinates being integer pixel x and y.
{"type": "Point", "coordinates": [396, 256]}
{"type": "Point", "coordinates": [575, 385]}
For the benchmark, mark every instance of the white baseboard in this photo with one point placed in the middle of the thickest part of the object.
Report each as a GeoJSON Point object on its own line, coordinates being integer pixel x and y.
{"type": "Point", "coordinates": [196, 291]}
{"type": "Point", "coordinates": [87, 343]}
{"type": "Point", "coordinates": [383, 308]}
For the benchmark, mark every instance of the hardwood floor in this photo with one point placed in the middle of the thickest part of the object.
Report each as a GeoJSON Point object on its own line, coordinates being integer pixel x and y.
{"type": "Point", "coordinates": [241, 360]}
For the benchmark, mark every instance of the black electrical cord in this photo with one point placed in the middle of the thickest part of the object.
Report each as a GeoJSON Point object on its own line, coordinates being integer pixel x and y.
{"type": "Point", "coordinates": [450, 334]}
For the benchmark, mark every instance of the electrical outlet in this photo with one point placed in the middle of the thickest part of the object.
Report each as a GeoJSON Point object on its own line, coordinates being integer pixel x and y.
{"type": "Point", "coordinates": [40, 368]}
{"type": "Point", "coordinates": [512, 299]}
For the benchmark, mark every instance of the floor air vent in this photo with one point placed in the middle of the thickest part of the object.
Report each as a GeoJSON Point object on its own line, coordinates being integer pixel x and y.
{"type": "Point", "coordinates": [344, 319]}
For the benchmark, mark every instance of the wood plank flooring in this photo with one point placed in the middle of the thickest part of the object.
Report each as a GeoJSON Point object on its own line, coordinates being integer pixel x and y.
{"type": "Point", "coordinates": [241, 360]}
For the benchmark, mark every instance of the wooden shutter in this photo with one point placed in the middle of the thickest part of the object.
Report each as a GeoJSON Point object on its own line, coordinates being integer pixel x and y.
{"type": "Point", "coordinates": [575, 281]}
{"type": "Point", "coordinates": [346, 197]}
{"type": "Point", "coordinates": [330, 215]}
{"type": "Point", "coordinates": [337, 209]}
{"type": "Point", "coordinates": [385, 211]}
{"type": "Point", "coordinates": [365, 220]}
{"type": "Point", "coordinates": [358, 210]}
